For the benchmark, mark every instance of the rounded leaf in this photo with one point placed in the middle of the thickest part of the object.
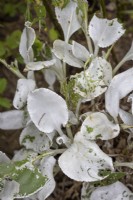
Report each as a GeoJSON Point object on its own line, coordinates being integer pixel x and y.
{"type": "Point", "coordinates": [47, 110]}
{"type": "Point", "coordinates": [97, 126]}
{"type": "Point", "coordinates": [84, 160]}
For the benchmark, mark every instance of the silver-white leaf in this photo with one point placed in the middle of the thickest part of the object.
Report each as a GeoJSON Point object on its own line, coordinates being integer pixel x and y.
{"type": "Point", "coordinates": [115, 191]}
{"type": "Point", "coordinates": [50, 77]}
{"type": "Point", "coordinates": [93, 81]}
{"type": "Point", "coordinates": [47, 165]}
{"type": "Point", "coordinates": [80, 52]}
{"type": "Point", "coordinates": [4, 158]}
{"type": "Point", "coordinates": [24, 86]}
{"type": "Point", "coordinates": [34, 139]}
{"type": "Point", "coordinates": [63, 51]}
{"type": "Point", "coordinates": [47, 110]}
{"type": "Point", "coordinates": [120, 86]}
{"type": "Point", "coordinates": [67, 18]}
{"type": "Point", "coordinates": [11, 188]}
{"type": "Point", "coordinates": [84, 160]}
{"type": "Point", "coordinates": [105, 32]}
{"type": "Point", "coordinates": [97, 126]}
{"type": "Point", "coordinates": [14, 119]}
{"type": "Point", "coordinates": [36, 66]}
{"type": "Point", "coordinates": [27, 40]}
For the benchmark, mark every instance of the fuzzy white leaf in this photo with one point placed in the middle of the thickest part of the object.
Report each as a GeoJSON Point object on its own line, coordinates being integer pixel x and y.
{"type": "Point", "coordinates": [84, 160]}
{"type": "Point", "coordinates": [12, 120]}
{"type": "Point", "coordinates": [11, 188]}
{"type": "Point", "coordinates": [93, 81]}
{"type": "Point", "coordinates": [35, 66]}
{"type": "Point", "coordinates": [27, 39]}
{"type": "Point", "coordinates": [47, 165]}
{"type": "Point", "coordinates": [67, 18]}
{"type": "Point", "coordinates": [50, 77]}
{"type": "Point", "coordinates": [126, 117]}
{"type": "Point", "coordinates": [4, 158]}
{"type": "Point", "coordinates": [97, 126]}
{"type": "Point", "coordinates": [23, 154]}
{"type": "Point", "coordinates": [120, 86]}
{"type": "Point", "coordinates": [115, 191]}
{"type": "Point", "coordinates": [63, 51]}
{"type": "Point", "coordinates": [80, 52]}
{"type": "Point", "coordinates": [47, 110]}
{"type": "Point", "coordinates": [105, 32]}
{"type": "Point", "coordinates": [24, 86]}
{"type": "Point", "coordinates": [33, 139]}
{"type": "Point", "coordinates": [130, 99]}
{"type": "Point", "coordinates": [72, 118]}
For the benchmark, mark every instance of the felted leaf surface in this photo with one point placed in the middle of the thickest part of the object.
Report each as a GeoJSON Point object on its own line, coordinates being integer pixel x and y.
{"type": "Point", "coordinates": [35, 66]}
{"type": "Point", "coordinates": [67, 18]}
{"type": "Point", "coordinates": [24, 86]}
{"type": "Point", "coordinates": [27, 39]}
{"type": "Point", "coordinates": [4, 158]}
{"type": "Point", "coordinates": [63, 51]}
{"type": "Point", "coordinates": [120, 86]}
{"type": "Point", "coordinates": [34, 139]}
{"type": "Point", "coordinates": [93, 81]}
{"type": "Point", "coordinates": [50, 77]}
{"type": "Point", "coordinates": [105, 32]}
{"type": "Point", "coordinates": [97, 126]}
{"type": "Point", "coordinates": [47, 165]}
{"type": "Point", "coordinates": [14, 119]}
{"type": "Point", "coordinates": [47, 110]}
{"type": "Point", "coordinates": [129, 54]}
{"type": "Point", "coordinates": [79, 51]}
{"type": "Point", "coordinates": [11, 188]}
{"type": "Point", "coordinates": [115, 191]}
{"type": "Point", "coordinates": [84, 160]}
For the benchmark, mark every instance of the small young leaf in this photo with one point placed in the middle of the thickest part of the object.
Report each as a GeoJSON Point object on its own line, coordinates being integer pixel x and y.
{"type": "Point", "coordinates": [47, 110]}
{"type": "Point", "coordinates": [80, 52]}
{"type": "Point", "coordinates": [115, 191]}
{"type": "Point", "coordinates": [67, 18]}
{"type": "Point", "coordinates": [27, 39]}
{"type": "Point", "coordinates": [35, 66]}
{"type": "Point", "coordinates": [120, 86]}
{"type": "Point", "coordinates": [83, 160]}
{"type": "Point", "coordinates": [63, 51]}
{"type": "Point", "coordinates": [97, 126]}
{"type": "Point", "coordinates": [105, 32]}
{"type": "Point", "coordinates": [24, 86]}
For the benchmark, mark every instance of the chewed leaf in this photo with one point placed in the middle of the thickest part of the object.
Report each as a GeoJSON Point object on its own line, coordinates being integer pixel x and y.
{"type": "Point", "coordinates": [24, 86]}
{"type": "Point", "coordinates": [33, 139]}
{"type": "Point", "coordinates": [35, 66]}
{"type": "Point", "coordinates": [27, 39]}
{"type": "Point", "coordinates": [63, 51]}
{"type": "Point", "coordinates": [47, 110]}
{"type": "Point", "coordinates": [67, 18]}
{"type": "Point", "coordinates": [47, 165]}
{"type": "Point", "coordinates": [120, 86]}
{"type": "Point", "coordinates": [10, 189]}
{"type": "Point", "coordinates": [97, 126]}
{"type": "Point", "coordinates": [105, 32]}
{"type": "Point", "coordinates": [80, 52]}
{"type": "Point", "coordinates": [14, 119]}
{"type": "Point", "coordinates": [93, 81]}
{"type": "Point", "coordinates": [115, 191]}
{"type": "Point", "coordinates": [84, 160]}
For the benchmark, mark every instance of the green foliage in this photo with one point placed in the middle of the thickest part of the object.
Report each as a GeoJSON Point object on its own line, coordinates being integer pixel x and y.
{"type": "Point", "coordinates": [60, 3]}
{"type": "Point", "coordinates": [4, 102]}
{"type": "Point", "coordinates": [26, 174]}
{"type": "Point", "coordinates": [53, 34]}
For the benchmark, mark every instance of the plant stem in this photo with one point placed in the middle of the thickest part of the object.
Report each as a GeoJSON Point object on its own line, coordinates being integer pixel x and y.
{"type": "Point", "coordinates": [78, 108]}
{"type": "Point", "coordinates": [118, 67]}
{"type": "Point", "coordinates": [103, 8]}
{"type": "Point", "coordinates": [69, 132]}
{"type": "Point", "coordinates": [12, 69]}
{"type": "Point", "coordinates": [49, 153]}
